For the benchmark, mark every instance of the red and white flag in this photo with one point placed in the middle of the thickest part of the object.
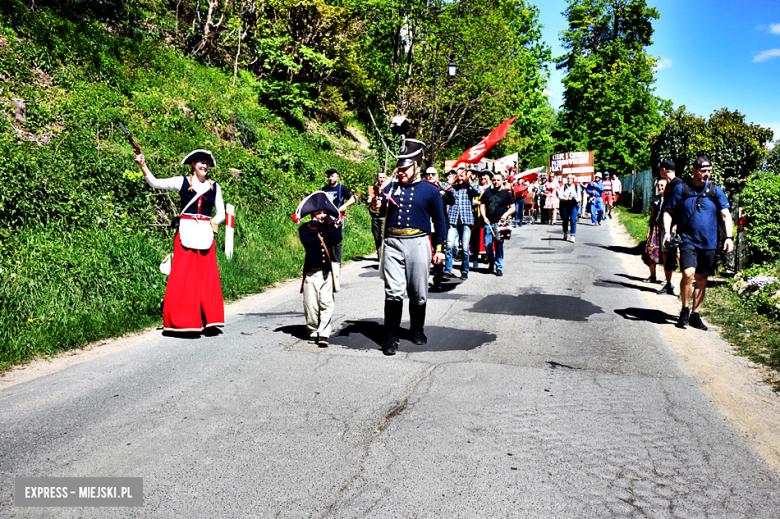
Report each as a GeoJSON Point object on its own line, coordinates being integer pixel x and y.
{"type": "Point", "coordinates": [475, 153]}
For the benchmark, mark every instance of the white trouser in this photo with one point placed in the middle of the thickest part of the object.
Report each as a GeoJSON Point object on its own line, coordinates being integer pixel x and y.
{"type": "Point", "coordinates": [407, 262]}
{"type": "Point", "coordinates": [318, 303]}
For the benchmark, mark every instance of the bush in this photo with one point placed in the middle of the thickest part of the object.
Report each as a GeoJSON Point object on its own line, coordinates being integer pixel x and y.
{"type": "Point", "coordinates": [761, 202]}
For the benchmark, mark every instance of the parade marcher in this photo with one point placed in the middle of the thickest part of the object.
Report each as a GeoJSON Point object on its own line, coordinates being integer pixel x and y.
{"type": "Point", "coordinates": [667, 171]}
{"type": "Point", "coordinates": [410, 205]}
{"type": "Point", "coordinates": [432, 177]}
{"type": "Point", "coordinates": [460, 196]}
{"type": "Point", "coordinates": [497, 205]}
{"type": "Point", "coordinates": [342, 198]}
{"type": "Point", "coordinates": [483, 185]}
{"type": "Point", "coordinates": [377, 222]}
{"type": "Point", "coordinates": [193, 295]}
{"type": "Point", "coordinates": [542, 200]}
{"type": "Point", "coordinates": [552, 203]}
{"type": "Point", "coordinates": [617, 188]}
{"type": "Point", "coordinates": [596, 189]}
{"type": "Point", "coordinates": [607, 195]}
{"type": "Point", "coordinates": [319, 237]}
{"type": "Point", "coordinates": [655, 251]}
{"type": "Point", "coordinates": [696, 205]}
{"type": "Point", "coordinates": [519, 190]}
{"type": "Point", "coordinates": [569, 196]}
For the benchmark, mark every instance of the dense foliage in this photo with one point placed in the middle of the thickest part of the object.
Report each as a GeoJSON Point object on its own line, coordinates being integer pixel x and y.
{"type": "Point", "coordinates": [609, 106]}
{"type": "Point", "coordinates": [736, 148]}
{"type": "Point", "coordinates": [761, 201]}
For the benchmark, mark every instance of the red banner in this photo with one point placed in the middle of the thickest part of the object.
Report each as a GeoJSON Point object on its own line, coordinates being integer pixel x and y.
{"type": "Point", "coordinates": [475, 153]}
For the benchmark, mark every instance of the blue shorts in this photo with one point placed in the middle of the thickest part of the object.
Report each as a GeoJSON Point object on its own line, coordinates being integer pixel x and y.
{"type": "Point", "coordinates": [692, 256]}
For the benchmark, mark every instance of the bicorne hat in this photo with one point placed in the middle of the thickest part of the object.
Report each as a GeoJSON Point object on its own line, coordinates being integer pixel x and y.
{"type": "Point", "coordinates": [200, 155]}
{"type": "Point", "coordinates": [317, 201]}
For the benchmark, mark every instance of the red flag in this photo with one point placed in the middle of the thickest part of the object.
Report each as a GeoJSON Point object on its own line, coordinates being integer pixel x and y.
{"type": "Point", "coordinates": [475, 153]}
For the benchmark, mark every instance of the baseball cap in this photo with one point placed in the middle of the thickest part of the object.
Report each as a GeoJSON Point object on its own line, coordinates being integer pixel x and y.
{"type": "Point", "coordinates": [668, 164]}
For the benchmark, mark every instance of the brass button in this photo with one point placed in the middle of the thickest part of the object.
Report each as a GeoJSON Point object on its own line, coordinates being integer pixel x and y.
{"type": "Point", "coordinates": [407, 212]}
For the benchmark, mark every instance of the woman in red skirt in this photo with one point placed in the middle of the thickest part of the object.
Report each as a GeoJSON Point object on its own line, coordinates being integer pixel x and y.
{"type": "Point", "coordinates": [193, 297]}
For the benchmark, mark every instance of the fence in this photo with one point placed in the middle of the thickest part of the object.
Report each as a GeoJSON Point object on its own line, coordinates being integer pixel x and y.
{"type": "Point", "coordinates": [638, 191]}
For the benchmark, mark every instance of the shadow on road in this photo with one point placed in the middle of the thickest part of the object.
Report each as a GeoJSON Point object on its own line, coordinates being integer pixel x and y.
{"type": "Point", "coordinates": [565, 308]}
{"type": "Point", "coordinates": [646, 314]}
{"type": "Point", "coordinates": [633, 251]}
{"type": "Point", "coordinates": [367, 335]}
{"type": "Point", "coordinates": [622, 284]}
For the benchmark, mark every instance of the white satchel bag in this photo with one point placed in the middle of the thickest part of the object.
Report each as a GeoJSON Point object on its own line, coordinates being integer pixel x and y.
{"type": "Point", "coordinates": [195, 233]}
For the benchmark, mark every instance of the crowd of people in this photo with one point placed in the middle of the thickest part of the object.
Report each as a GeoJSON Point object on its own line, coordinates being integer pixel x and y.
{"type": "Point", "coordinates": [422, 225]}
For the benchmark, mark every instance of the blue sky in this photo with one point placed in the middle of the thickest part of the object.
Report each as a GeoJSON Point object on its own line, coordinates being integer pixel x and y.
{"type": "Point", "coordinates": [714, 54]}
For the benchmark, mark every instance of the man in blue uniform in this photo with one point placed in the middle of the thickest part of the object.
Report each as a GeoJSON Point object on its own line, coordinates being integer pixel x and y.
{"type": "Point", "coordinates": [696, 204]}
{"type": "Point", "coordinates": [596, 191]}
{"type": "Point", "coordinates": [409, 206]}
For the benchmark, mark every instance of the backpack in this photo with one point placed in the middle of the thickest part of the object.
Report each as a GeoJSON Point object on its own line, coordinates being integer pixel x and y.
{"type": "Point", "coordinates": [711, 193]}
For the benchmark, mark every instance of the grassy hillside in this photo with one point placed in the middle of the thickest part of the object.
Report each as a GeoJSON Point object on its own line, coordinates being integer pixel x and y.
{"type": "Point", "coordinates": [82, 234]}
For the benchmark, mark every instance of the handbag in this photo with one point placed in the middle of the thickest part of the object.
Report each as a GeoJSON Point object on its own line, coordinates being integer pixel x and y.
{"type": "Point", "coordinates": [193, 231]}
{"type": "Point", "coordinates": [334, 267]}
{"type": "Point", "coordinates": [165, 265]}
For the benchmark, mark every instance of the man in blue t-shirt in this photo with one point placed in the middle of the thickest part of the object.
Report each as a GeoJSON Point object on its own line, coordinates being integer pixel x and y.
{"type": "Point", "coordinates": [695, 205]}
{"type": "Point", "coordinates": [342, 198]}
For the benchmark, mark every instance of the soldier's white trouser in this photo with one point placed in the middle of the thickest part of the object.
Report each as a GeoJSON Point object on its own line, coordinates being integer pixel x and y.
{"type": "Point", "coordinates": [318, 303]}
{"type": "Point", "coordinates": [406, 265]}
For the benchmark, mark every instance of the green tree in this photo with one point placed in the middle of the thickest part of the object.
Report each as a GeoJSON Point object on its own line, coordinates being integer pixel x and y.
{"type": "Point", "coordinates": [736, 148]}
{"type": "Point", "coordinates": [609, 105]}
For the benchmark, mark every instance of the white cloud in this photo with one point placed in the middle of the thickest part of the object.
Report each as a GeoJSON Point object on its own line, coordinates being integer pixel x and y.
{"type": "Point", "coordinates": [766, 54]}
{"type": "Point", "coordinates": [663, 63]}
{"type": "Point", "coordinates": [772, 28]}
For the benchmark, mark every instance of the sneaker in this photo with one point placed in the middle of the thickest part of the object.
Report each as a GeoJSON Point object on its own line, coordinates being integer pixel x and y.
{"type": "Point", "coordinates": [599, 223]}
{"type": "Point", "coordinates": [314, 339]}
{"type": "Point", "coordinates": [490, 268]}
{"type": "Point", "coordinates": [389, 348]}
{"type": "Point", "coordinates": [610, 216]}
{"type": "Point", "coordinates": [572, 238]}
{"type": "Point", "coordinates": [446, 276]}
{"type": "Point", "coordinates": [685, 313]}
{"type": "Point", "coordinates": [464, 275]}
{"type": "Point", "coordinates": [651, 279]}
{"type": "Point", "coordinates": [695, 322]}
{"type": "Point", "coordinates": [323, 342]}
{"type": "Point", "coordinates": [499, 272]}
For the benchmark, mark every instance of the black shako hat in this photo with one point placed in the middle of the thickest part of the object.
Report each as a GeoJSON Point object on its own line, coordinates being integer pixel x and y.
{"type": "Point", "coordinates": [317, 201]}
{"type": "Point", "coordinates": [200, 155]}
{"type": "Point", "coordinates": [410, 152]}
{"type": "Point", "coordinates": [668, 164]}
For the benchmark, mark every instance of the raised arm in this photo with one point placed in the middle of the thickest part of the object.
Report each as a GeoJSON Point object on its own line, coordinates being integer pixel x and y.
{"type": "Point", "coordinates": [173, 183]}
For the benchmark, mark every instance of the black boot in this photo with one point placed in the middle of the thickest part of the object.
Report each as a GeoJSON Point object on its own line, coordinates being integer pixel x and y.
{"type": "Point", "coordinates": [417, 323]}
{"type": "Point", "coordinates": [393, 312]}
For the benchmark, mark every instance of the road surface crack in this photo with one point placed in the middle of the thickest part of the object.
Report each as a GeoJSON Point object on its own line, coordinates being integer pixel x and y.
{"type": "Point", "coordinates": [395, 411]}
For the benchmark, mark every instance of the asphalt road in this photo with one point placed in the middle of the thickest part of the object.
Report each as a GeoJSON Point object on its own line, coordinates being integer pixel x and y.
{"type": "Point", "coordinates": [548, 392]}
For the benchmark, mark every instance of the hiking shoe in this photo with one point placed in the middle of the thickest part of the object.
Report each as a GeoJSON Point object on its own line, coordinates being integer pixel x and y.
{"type": "Point", "coordinates": [695, 322]}
{"type": "Point", "coordinates": [685, 313]}
{"type": "Point", "coordinates": [390, 347]}
{"type": "Point", "coordinates": [499, 272]}
{"type": "Point", "coordinates": [464, 275]}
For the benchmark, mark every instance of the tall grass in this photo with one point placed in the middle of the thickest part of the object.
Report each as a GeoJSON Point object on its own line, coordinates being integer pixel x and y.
{"type": "Point", "coordinates": [63, 289]}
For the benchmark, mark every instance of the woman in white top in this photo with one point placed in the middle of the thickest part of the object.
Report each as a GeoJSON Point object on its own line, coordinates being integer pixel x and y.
{"type": "Point", "coordinates": [193, 296]}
